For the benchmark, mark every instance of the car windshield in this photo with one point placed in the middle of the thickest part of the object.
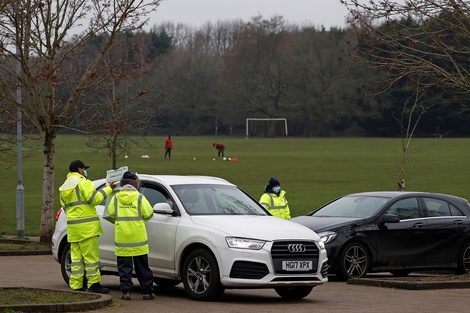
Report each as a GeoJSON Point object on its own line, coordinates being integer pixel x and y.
{"type": "Point", "coordinates": [352, 206]}
{"type": "Point", "coordinates": [216, 200]}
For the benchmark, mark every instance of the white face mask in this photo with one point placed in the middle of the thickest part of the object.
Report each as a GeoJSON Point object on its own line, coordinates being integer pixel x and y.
{"type": "Point", "coordinates": [85, 174]}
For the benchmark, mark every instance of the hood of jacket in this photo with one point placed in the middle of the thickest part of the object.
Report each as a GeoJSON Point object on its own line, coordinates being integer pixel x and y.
{"type": "Point", "coordinates": [127, 194]}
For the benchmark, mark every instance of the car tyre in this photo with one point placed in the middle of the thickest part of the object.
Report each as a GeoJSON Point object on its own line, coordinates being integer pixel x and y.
{"type": "Point", "coordinates": [66, 263]}
{"type": "Point", "coordinates": [354, 261]}
{"type": "Point", "coordinates": [293, 293]}
{"type": "Point", "coordinates": [200, 275]}
{"type": "Point", "coordinates": [464, 260]}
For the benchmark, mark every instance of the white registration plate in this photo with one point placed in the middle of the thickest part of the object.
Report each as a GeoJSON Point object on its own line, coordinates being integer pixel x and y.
{"type": "Point", "coordinates": [297, 265]}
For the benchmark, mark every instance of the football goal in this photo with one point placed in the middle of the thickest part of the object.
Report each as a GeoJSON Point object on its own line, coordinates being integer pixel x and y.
{"type": "Point", "coordinates": [266, 127]}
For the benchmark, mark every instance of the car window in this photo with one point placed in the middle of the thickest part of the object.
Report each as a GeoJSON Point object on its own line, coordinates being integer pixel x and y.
{"type": "Point", "coordinates": [405, 208]}
{"type": "Point", "coordinates": [155, 194]}
{"type": "Point", "coordinates": [436, 207]}
{"type": "Point", "coordinates": [352, 206]}
{"type": "Point", "coordinates": [216, 200]}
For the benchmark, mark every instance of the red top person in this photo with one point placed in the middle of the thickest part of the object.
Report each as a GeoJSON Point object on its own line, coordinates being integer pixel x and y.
{"type": "Point", "coordinates": [220, 149]}
{"type": "Point", "coordinates": [168, 147]}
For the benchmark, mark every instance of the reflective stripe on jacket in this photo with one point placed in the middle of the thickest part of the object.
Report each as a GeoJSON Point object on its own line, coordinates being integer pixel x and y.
{"type": "Point", "coordinates": [276, 205]}
{"type": "Point", "coordinates": [79, 197]}
{"type": "Point", "coordinates": [130, 209]}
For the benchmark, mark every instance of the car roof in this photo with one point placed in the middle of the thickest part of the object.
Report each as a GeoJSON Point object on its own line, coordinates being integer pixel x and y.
{"type": "Point", "coordinates": [180, 179]}
{"type": "Point", "coordinates": [397, 194]}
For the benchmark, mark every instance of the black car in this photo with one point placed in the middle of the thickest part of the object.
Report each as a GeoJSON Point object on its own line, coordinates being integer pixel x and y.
{"type": "Point", "coordinates": [394, 231]}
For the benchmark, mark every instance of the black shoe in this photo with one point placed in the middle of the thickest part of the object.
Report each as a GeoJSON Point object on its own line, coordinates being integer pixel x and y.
{"type": "Point", "coordinates": [148, 296]}
{"type": "Point", "coordinates": [126, 296]}
{"type": "Point", "coordinates": [80, 289]}
{"type": "Point", "coordinates": [97, 288]}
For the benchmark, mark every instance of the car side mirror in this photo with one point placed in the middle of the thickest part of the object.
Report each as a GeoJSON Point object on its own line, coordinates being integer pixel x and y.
{"type": "Point", "coordinates": [162, 208]}
{"type": "Point", "coordinates": [390, 218]}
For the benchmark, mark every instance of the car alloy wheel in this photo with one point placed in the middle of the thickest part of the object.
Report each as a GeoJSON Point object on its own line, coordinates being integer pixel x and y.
{"type": "Point", "coordinates": [200, 276]}
{"type": "Point", "coordinates": [464, 260]}
{"type": "Point", "coordinates": [354, 261]}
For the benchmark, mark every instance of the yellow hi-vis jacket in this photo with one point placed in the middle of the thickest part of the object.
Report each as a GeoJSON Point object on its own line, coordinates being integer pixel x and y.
{"type": "Point", "coordinates": [276, 205]}
{"type": "Point", "coordinates": [130, 209]}
{"type": "Point", "coordinates": [79, 197]}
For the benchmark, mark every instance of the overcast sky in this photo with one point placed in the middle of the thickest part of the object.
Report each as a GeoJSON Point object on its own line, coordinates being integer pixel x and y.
{"type": "Point", "coordinates": [197, 12]}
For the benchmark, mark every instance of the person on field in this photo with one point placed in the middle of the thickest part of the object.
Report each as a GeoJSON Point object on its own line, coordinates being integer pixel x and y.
{"type": "Point", "coordinates": [168, 147]}
{"type": "Point", "coordinates": [274, 200]}
{"type": "Point", "coordinates": [220, 149]}
{"type": "Point", "coordinates": [78, 198]}
{"type": "Point", "coordinates": [129, 209]}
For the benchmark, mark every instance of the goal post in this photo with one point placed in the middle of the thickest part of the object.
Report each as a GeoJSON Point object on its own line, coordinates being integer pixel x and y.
{"type": "Point", "coordinates": [283, 122]}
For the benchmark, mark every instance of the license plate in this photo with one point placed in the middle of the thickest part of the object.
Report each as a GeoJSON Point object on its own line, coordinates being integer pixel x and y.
{"type": "Point", "coordinates": [297, 265]}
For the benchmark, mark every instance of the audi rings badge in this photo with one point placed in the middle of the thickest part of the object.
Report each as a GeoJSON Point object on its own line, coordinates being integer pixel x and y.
{"type": "Point", "coordinates": [296, 248]}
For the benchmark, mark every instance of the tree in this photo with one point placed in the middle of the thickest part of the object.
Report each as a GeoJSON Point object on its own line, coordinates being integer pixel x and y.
{"type": "Point", "coordinates": [48, 35]}
{"type": "Point", "coordinates": [425, 40]}
{"type": "Point", "coordinates": [124, 100]}
{"type": "Point", "coordinates": [322, 85]}
{"type": "Point", "coordinates": [422, 43]}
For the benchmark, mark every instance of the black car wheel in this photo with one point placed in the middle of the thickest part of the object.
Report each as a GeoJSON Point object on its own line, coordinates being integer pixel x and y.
{"type": "Point", "coordinates": [294, 293]}
{"type": "Point", "coordinates": [201, 277]}
{"type": "Point", "coordinates": [354, 261]}
{"type": "Point", "coordinates": [464, 260]}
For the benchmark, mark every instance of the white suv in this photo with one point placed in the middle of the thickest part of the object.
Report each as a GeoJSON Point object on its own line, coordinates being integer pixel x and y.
{"type": "Point", "coordinates": [212, 236]}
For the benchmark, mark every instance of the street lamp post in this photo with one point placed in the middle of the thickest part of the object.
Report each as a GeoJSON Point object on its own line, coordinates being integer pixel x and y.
{"type": "Point", "coordinates": [19, 136]}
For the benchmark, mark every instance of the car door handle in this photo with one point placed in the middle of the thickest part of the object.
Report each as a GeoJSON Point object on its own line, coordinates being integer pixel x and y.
{"type": "Point", "coordinates": [418, 225]}
{"type": "Point", "coordinates": [457, 222]}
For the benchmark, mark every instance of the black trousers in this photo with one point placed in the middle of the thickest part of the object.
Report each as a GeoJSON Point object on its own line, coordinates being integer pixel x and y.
{"type": "Point", "coordinates": [144, 274]}
{"type": "Point", "coordinates": [168, 152]}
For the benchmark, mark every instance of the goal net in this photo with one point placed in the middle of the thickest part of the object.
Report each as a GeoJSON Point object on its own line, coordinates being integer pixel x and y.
{"type": "Point", "coordinates": [266, 127]}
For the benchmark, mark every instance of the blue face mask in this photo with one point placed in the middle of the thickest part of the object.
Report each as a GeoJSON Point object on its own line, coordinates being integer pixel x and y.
{"type": "Point", "coordinates": [276, 189]}
{"type": "Point", "coordinates": [85, 174]}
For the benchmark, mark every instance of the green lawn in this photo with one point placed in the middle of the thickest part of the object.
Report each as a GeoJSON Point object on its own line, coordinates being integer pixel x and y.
{"type": "Point", "coordinates": [311, 170]}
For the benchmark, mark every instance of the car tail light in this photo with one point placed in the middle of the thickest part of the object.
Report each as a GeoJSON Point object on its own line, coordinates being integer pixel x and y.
{"type": "Point", "coordinates": [58, 215]}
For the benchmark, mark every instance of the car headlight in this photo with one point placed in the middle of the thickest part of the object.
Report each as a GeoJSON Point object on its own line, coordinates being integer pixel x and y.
{"type": "Point", "coordinates": [327, 236]}
{"type": "Point", "coordinates": [244, 243]}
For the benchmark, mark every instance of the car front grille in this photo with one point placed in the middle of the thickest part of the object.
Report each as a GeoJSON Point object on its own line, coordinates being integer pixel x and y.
{"type": "Point", "coordinates": [294, 251]}
{"type": "Point", "coordinates": [248, 270]}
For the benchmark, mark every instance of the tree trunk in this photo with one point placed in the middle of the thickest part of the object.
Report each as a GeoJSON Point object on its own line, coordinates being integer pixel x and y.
{"type": "Point", "coordinates": [47, 222]}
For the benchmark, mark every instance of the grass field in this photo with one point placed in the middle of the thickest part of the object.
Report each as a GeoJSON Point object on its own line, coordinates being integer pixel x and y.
{"type": "Point", "coordinates": [311, 170]}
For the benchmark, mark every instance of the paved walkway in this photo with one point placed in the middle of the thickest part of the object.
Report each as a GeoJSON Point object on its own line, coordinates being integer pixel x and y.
{"type": "Point", "coordinates": [41, 271]}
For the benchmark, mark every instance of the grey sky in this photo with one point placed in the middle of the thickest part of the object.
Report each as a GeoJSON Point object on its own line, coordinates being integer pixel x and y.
{"type": "Point", "coordinates": [197, 12]}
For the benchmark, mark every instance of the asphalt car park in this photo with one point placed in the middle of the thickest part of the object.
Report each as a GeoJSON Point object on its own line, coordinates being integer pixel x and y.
{"type": "Point", "coordinates": [41, 271]}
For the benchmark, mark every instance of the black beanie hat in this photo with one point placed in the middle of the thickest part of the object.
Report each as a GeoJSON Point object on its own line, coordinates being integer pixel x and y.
{"type": "Point", "coordinates": [129, 178]}
{"type": "Point", "coordinates": [273, 182]}
{"type": "Point", "coordinates": [129, 175]}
